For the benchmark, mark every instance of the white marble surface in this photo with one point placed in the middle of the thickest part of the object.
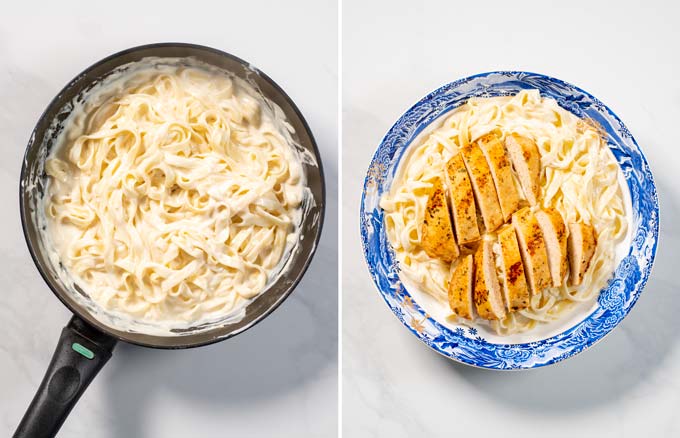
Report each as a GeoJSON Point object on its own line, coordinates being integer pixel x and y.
{"type": "Point", "coordinates": [393, 54]}
{"type": "Point", "coordinates": [277, 379]}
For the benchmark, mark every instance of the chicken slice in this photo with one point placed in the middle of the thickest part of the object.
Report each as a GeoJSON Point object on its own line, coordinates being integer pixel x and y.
{"type": "Point", "coordinates": [582, 244]}
{"type": "Point", "coordinates": [460, 287]}
{"type": "Point", "coordinates": [501, 171]}
{"type": "Point", "coordinates": [532, 249]}
{"type": "Point", "coordinates": [555, 237]}
{"type": "Point", "coordinates": [437, 232]}
{"type": "Point", "coordinates": [487, 292]}
{"type": "Point", "coordinates": [462, 201]}
{"type": "Point", "coordinates": [482, 186]}
{"type": "Point", "coordinates": [515, 288]}
{"type": "Point", "coordinates": [526, 159]}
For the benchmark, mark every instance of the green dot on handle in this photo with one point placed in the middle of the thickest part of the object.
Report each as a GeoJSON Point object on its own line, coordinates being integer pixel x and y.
{"type": "Point", "coordinates": [82, 350]}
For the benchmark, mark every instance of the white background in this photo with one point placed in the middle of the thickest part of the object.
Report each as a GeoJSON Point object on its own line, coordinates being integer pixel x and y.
{"type": "Point", "coordinates": [628, 56]}
{"type": "Point", "coordinates": [277, 379]}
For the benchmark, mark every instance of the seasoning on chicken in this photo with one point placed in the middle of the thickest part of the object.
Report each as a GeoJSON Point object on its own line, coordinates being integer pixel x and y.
{"type": "Point", "coordinates": [437, 231]}
{"type": "Point", "coordinates": [462, 201]}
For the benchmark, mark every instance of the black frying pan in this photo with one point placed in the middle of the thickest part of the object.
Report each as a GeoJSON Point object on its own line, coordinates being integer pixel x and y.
{"type": "Point", "coordinates": [86, 342]}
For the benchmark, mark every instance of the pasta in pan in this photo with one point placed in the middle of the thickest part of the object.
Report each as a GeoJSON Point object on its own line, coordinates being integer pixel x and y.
{"type": "Point", "coordinates": [580, 180]}
{"type": "Point", "coordinates": [176, 197]}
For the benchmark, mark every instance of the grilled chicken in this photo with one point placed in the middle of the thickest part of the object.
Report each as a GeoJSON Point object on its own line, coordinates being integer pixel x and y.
{"type": "Point", "coordinates": [526, 159]}
{"type": "Point", "coordinates": [532, 249]}
{"type": "Point", "coordinates": [582, 244]}
{"type": "Point", "coordinates": [437, 232]}
{"type": "Point", "coordinates": [501, 171]}
{"type": "Point", "coordinates": [460, 287]}
{"type": "Point", "coordinates": [555, 237]}
{"type": "Point", "coordinates": [487, 292]}
{"type": "Point", "coordinates": [515, 288]}
{"type": "Point", "coordinates": [482, 186]}
{"type": "Point", "coordinates": [462, 201]}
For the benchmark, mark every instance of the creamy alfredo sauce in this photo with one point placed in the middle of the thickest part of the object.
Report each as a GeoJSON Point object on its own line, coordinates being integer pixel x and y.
{"type": "Point", "coordinates": [173, 194]}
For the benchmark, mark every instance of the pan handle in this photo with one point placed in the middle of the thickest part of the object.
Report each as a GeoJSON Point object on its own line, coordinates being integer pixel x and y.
{"type": "Point", "coordinates": [82, 351]}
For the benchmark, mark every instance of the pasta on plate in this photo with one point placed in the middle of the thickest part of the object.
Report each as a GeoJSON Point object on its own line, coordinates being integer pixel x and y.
{"type": "Point", "coordinates": [580, 179]}
{"type": "Point", "coordinates": [175, 197]}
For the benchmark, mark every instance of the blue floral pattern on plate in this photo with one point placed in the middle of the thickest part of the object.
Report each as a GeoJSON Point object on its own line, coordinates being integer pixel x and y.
{"type": "Point", "coordinates": [615, 300]}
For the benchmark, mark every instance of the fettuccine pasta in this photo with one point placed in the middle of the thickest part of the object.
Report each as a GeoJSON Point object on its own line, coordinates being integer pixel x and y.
{"type": "Point", "coordinates": [580, 180]}
{"type": "Point", "coordinates": [176, 197]}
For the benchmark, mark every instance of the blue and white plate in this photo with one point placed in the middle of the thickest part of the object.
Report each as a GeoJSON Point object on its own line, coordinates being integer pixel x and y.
{"type": "Point", "coordinates": [550, 343]}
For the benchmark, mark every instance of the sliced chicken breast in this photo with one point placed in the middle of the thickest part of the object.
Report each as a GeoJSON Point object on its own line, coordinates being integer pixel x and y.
{"type": "Point", "coordinates": [462, 201]}
{"type": "Point", "coordinates": [555, 237]}
{"type": "Point", "coordinates": [460, 287]}
{"type": "Point", "coordinates": [515, 288]}
{"type": "Point", "coordinates": [437, 231]}
{"type": "Point", "coordinates": [581, 246]}
{"type": "Point", "coordinates": [532, 249]}
{"type": "Point", "coordinates": [501, 171]}
{"type": "Point", "coordinates": [487, 292]}
{"type": "Point", "coordinates": [526, 159]}
{"type": "Point", "coordinates": [482, 186]}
